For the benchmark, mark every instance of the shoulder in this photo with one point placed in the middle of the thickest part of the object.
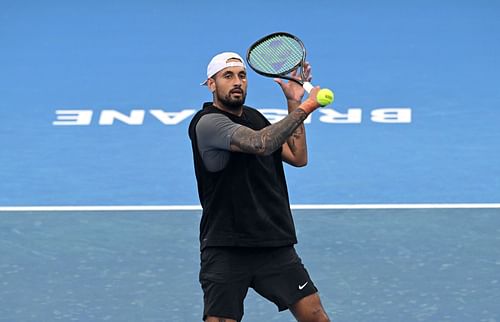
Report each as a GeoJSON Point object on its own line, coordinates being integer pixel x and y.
{"type": "Point", "coordinates": [208, 109]}
{"type": "Point", "coordinates": [213, 120]}
{"type": "Point", "coordinates": [216, 130]}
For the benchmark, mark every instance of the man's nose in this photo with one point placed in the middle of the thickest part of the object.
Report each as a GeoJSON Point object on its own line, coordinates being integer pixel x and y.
{"type": "Point", "coordinates": [238, 81]}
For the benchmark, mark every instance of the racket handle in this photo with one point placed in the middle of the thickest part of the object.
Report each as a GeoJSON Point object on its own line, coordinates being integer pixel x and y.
{"type": "Point", "coordinates": [308, 87]}
{"type": "Point", "coordinates": [324, 97]}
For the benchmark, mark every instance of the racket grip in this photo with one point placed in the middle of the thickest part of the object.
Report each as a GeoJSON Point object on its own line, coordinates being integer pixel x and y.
{"type": "Point", "coordinates": [308, 87]}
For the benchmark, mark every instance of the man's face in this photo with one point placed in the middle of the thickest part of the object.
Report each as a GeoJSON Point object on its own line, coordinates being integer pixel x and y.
{"type": "Point", "coordinates": [230, 87]}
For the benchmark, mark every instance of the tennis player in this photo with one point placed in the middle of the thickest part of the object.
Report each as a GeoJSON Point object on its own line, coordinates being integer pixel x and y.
{"type": "Point", "coordinates": [247, 234]}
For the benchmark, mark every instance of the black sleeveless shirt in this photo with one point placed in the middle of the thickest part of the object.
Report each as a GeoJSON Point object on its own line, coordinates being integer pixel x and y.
{"type": "Point", "coordinates": [245, 204]}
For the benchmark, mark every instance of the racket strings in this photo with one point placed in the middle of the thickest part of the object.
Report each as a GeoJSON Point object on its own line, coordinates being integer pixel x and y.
{"type": "Point", "coordinates": [276, 55]}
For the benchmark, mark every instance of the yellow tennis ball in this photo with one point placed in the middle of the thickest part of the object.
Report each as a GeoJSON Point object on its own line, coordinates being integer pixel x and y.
{"type": "Point", "coordinates": [325, 97]}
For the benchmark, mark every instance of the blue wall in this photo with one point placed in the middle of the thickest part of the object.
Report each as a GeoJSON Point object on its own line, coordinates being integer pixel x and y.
{"type": "Point", "coordinates": [440, 60]}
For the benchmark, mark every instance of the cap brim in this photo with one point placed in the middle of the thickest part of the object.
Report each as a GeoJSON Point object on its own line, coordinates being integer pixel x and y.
{"type": "Point", "coordinates": [204, 83]}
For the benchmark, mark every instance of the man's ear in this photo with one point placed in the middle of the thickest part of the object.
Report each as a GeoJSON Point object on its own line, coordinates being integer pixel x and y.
{"type": "Point", "coordinates": [211, 84]}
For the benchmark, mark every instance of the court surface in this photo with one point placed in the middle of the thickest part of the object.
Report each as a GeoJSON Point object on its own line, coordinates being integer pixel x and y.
{"type": "Point", "coordinates": [96, 98]}
{"type": "Point", "coordinates": [370, 265]}
{"type": "Point", "coordinates": [95, 101]}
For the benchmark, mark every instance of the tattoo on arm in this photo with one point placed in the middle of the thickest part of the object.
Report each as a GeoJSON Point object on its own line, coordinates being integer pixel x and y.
{"type": "Point", "coordinates": [297, 134]}
{"type": "Point", "coordinates": [270, 138]}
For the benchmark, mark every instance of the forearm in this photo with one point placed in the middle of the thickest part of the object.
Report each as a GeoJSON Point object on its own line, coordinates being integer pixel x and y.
{"type": "Point", "coordinates": [270, 138]}
{"type": "Point", "coordinates": [297, 141]}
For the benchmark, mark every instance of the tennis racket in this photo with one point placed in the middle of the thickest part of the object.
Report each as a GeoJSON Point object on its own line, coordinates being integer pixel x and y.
{"type": "Point", "coordinates": [279, 54]}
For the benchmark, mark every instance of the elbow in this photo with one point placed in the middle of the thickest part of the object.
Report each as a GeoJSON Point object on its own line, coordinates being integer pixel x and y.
{"type": "Point", "coordinates": [302, 160]}
{"type": "Point", "coordinates": [299, 163]}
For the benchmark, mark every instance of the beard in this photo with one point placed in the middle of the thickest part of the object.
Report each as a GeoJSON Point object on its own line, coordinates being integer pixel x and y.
{"type": "Point", "coordinates": [230, 102]}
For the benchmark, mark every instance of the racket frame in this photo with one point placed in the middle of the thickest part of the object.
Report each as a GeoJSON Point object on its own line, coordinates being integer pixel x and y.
{"type": "Point", "coordinates": [283, 75]}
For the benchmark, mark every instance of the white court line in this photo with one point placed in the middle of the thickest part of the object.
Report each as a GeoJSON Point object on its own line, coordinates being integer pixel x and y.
{"type": "Point", "coordinates": [295, 207]}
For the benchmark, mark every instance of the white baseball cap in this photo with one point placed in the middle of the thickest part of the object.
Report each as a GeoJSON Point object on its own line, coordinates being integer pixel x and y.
{"type": "Point", "coordinates": [220, 61]}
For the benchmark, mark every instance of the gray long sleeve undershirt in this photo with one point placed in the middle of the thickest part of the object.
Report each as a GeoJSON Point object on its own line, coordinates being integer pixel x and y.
{"type": "Point", "coordinates": [213, 133]}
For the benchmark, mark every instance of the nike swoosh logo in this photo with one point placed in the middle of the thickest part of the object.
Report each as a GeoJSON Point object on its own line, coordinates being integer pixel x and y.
{"type": "Point", "coordinates": [302, 286]}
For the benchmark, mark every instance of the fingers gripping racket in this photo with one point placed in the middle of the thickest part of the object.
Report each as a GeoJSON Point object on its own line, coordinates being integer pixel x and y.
{"type": "Point", "coordinates": [279, 54]}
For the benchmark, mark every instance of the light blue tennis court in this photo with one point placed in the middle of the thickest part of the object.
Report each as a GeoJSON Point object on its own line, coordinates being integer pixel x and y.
{"type": "Point", "coordinates": [95, 99]}
{"type": "Point", "coordinates": [370, 265]}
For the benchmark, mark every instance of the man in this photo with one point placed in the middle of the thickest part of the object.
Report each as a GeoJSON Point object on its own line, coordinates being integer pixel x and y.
{"type": "Point", "coordinates": [246, 231]}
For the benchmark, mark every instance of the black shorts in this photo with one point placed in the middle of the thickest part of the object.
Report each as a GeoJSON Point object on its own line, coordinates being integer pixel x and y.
{"type": "Point", "coordinates": [275, 273]}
